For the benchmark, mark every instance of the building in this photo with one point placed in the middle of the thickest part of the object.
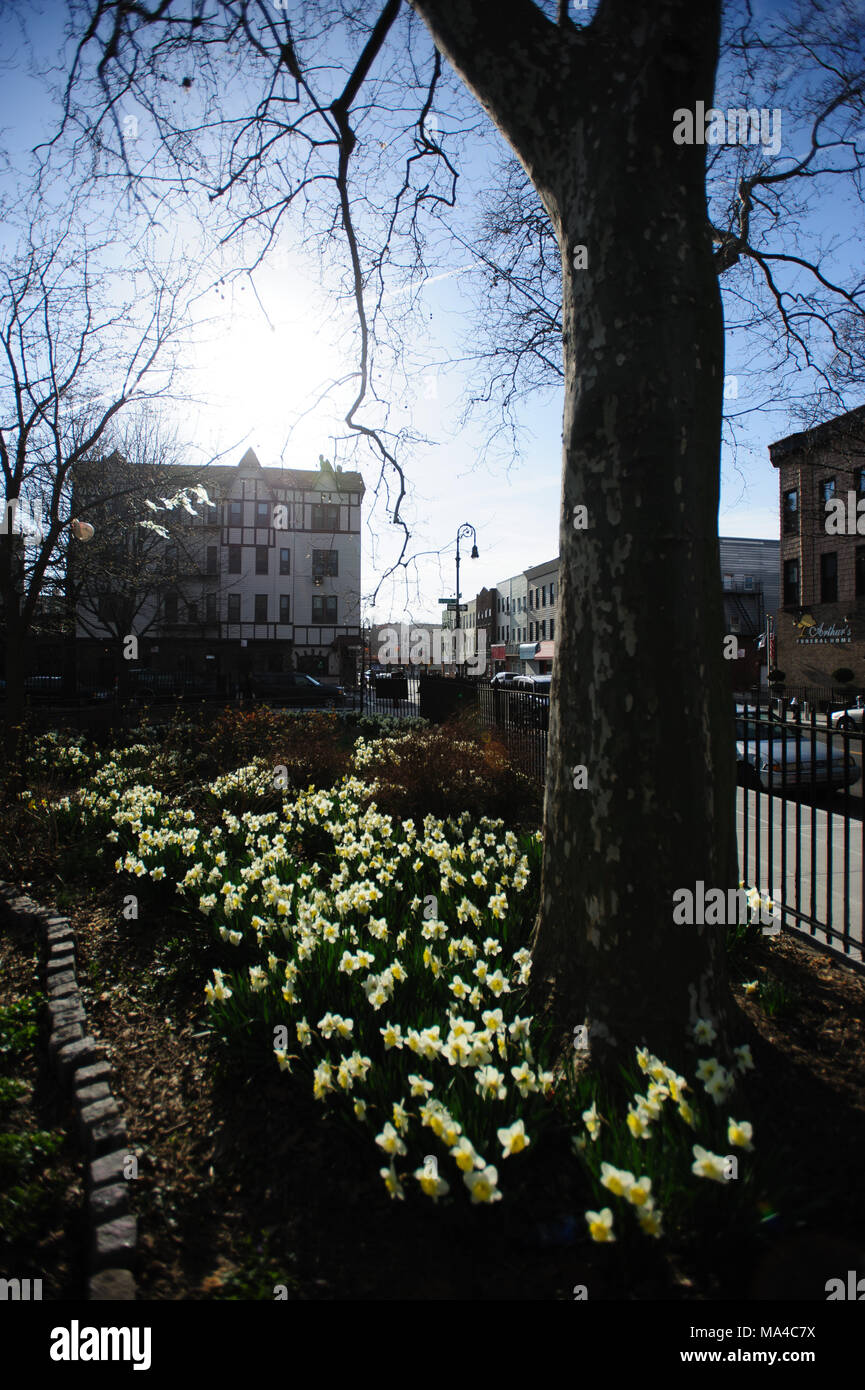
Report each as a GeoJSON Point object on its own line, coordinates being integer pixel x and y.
{"type": "Point", "coordinates": [751, 595]}
{"type": "Point", "coordinates": [526, 610]}
{"type": "Point", "coordinates": [820, 636]}
{"type": "Point", "coordinates": [265, 579]}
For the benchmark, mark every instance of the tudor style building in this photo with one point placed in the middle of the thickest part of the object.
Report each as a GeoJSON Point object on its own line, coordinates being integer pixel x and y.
{"type": "Point", "coordinates": [266, 579]}
{"type": "Point", "coordinates": [820, 637]}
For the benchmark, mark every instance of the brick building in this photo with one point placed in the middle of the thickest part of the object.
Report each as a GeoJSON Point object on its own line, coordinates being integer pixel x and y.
{"type": "Point", "coordinates": [821, 618]}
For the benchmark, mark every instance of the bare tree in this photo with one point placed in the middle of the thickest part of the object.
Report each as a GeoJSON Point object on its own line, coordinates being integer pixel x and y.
{"type": "Point", "coordinates": [793, 293]}
{"type": "Point", "coordinates": [640, 793]}
{"type": "Point", "coordinates": [144, 504]}
{"type": "Point", "coordinates": [71, 363]}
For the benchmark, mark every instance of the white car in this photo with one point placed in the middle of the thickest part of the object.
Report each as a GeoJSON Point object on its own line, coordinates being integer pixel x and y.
{"type": "Point", "coordinates": [850, 718]}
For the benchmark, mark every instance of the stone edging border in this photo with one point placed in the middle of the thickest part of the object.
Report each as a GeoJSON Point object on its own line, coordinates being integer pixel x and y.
{"type": "Point", "coordinates": [80, 1063]}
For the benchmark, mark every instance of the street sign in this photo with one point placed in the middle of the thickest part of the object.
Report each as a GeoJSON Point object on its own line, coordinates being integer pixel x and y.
{"type": "Point", "coordinates": [447, 600]}
{"type": "Point", "coordinates": [452, 607]}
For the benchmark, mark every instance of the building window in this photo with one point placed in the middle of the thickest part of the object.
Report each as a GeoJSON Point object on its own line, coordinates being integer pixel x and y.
{"type": "Point", "coordinates": [728, 581]}
{"type": "Point", "coordinates": [791, 512]}
{"type": "Point", "coordinates": [234, 559]}
{"type": "Point", "coordinates": [212, 559]}
{"type": "Point", "coordinates": [325, 517]}
{"type": "Point", "coordinates": [285, 608]}
{"type": "Point", "coordinates": [860, 571]}
{"type": "Point", "coordinates": [552, 628]}
{"type": "Point", "coordinates": [235, 513]}
{"type": "Point", "coordinates": [324, 608]}
{"type": "Point", "coordinates": [543, 596]}
{"type": "Point", "coordinates": [261, 608]}
{"type": "Point", "coordinates": [212, 514]}
{"type": "Point", "coordinates": [262, 513]}
{"type": "Point", "coordinates": [552, 591]}
{"type": "Point", "coordinates": [749, 582]}
{"type": "Point", "coordinates": [261, 559]}
{"type": "Point", "coordinates": [210, 608]}
{"type": "Point", "coordinates": [827, 489]}
{"type": "Point", "coordinates": [171, 608]}
{"type": "Point", "coordinates": [544, 630]}
{"type": "Point", "coordinates": [285, 561]}
{"type": "Point", "coordinates": [829, 577]}
{"type": "Point", "coordinates": [325, 562]}
{"type": "Point", "coordinates": [192, 612]}
{"type": "Point", "coordinates": [234, 608]}
{"type": "Point", "coordinates": [791, 583]}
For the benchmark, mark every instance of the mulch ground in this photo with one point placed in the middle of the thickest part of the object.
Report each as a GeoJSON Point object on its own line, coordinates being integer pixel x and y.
{"type": "Point", "coordinates": [244, 1183]}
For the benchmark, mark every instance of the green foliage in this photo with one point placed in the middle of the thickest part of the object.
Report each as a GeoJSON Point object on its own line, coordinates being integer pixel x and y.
{"type": "Point", "coordinates": [18, 1026]}
{"type": "Point", "coordinates": [261, 1274]}
{"type": "Point", "coordinates": [775, 998]}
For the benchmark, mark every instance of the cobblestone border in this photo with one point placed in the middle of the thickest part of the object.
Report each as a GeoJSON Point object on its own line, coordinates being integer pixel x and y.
{"type": "Point", "coordinates": [80, 1062]}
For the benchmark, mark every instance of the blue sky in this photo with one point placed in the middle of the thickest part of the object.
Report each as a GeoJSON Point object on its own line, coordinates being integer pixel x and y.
{"type": "Point", "coordinates": [255, 368]}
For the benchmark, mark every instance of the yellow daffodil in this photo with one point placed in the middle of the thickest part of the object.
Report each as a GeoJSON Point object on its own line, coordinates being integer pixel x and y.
{"type": "Point", "coordinates": [513, 1138]}
{"type": "Point", "coordinates": [601, 1225]}
{"type": "Point", "coordinates": [739, 1134]}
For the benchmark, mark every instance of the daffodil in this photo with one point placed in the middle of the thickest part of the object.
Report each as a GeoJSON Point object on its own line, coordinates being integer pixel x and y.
{"type": "Point", "coordinates": [639, 1193]}
{"type": "Point", "coordinates": [465, 1156]}
{"type": "Point", "coordinates": [739, 1134]}
{"type": "Point", "coordinates": [617, 1180]}
{"type": "Point", "coordinates": [601, 1225]}
{"type": "Point", "coordinates": [708, 1165]}
{"type": "Point", "coordinates": [392, 1182]}
{"type": "Point", "coordinates": [704, 1031]}
{"type": "Point", "coordinates": [592, 1120]}
{"type": "Point", "coordinates": [637, 1121]}
{"type": "Point", "coordinates": [482, 1185]}
{"type": "Point", "coordinates": [513, 1138]}
{"type": "Point", "coordinates": [431, 1184]}
{"type": "Point", "coordinates": [390, 1141]}
{"type": "Point", "coordinates": [650, 1220]}
{"type": "Point", "coordinates": [744, 1060]}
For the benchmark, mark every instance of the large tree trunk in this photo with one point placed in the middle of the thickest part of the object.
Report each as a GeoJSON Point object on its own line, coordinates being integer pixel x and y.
{"type": "Point", "coordinates": [640, 695]}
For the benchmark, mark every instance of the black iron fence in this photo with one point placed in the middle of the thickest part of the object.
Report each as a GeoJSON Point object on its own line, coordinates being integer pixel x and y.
{"type": "Point", "coordinates": [520, 720]}
{"type": "Point", "coordinates": [799, 807]}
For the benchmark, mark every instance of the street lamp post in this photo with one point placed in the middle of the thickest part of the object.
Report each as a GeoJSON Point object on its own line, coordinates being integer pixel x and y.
{"type": "Point", "coordinates": [464, 532]}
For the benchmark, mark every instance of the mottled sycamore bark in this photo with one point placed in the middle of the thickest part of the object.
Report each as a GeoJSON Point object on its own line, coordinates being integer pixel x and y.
{"type": "Point", "coordinates": [640, 694]}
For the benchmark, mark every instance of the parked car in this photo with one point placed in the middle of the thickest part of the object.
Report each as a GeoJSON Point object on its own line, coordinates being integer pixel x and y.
{"type": "Point", "coordinates": [504, 678]}
{"type": "Point", "coordinates": [770, 755]}
{"type": "Point", "coordinates": [528, 702]}
{"type": "Point", "coordinates": [294, 688]}
{"type": "Point", "coordinates": [850, 718]}
{"type": "Point", "coordinates": [158, 687]}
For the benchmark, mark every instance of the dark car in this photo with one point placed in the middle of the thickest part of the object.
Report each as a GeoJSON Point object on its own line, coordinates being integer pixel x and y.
{"type": "Point", "coordinates": [527, 702]}
{"type": "Point", "coordinates": [160, 687]}
{"type": "Point", "coordinates": [294, 688]}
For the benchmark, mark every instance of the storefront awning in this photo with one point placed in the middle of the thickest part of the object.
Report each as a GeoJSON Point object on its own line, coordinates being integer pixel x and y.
{"type": "Point", "coordinates": [546, 651]}
{"type": "Point", "coordinates": [497, 651]}
{"type": "Point", "coordinates": [528, 650]}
